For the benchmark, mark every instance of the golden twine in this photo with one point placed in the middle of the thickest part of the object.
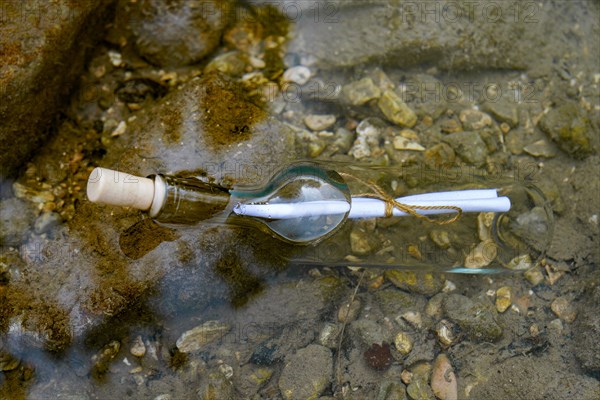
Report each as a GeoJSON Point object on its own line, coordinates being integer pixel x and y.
{"type": "Point", "coordinates": [391, 203]}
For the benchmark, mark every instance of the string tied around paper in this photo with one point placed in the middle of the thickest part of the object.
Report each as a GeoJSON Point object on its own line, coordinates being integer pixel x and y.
{"type": "Point", "coordinates": [391, 203]}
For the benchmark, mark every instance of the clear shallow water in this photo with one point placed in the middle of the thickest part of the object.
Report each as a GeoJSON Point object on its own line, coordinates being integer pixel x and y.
{"type": "Point", "coordinates": [87, 287]}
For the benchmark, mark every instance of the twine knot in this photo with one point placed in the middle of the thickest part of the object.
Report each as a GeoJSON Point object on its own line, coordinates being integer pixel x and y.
{"type": "Point", "coordinates": [391, 203]}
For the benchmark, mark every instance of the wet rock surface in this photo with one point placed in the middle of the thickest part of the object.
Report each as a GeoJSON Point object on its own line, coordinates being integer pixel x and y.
{"type": "Point", "coordinates": [43, 52]}
{"type": "Point", "coordinates": [586, 328]}
{"type": "Point", "coordinates": [475, 318]}
{"type": "Point", "coordinates": [299, 382]}
{"type": "Point", "coordinates": [94, 253]}
{"type": "Point", "coordinates": [469, 145]}
{"type": "Point", "coordinates": [405, 35]}
{"type": "Point", "coordinates": [570, 129]}
{"type": "Point", "coordinates": [534, 385]}
{"type": "Point", "coordinates": [16, 218]}
{"type": "Point", "coordinates": [177, 33]}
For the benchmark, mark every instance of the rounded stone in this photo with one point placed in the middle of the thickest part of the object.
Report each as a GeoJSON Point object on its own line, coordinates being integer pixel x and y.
{"type": "Point", "coordinates": [138, 349]}
{"type": "Point", "coordinates": [473, 317]}
{"type": "Point", "coordinates": [503, 298]}
{"type": "Point", "coordinates": [564, 309]}
{"type": "Point", "coordinates": [299, 75]}
{"type": "Point", "coordinates": [349, 311]}
{"type": "Point", "coordinates": [443, 379]}
{"type": "Point", "coordinates": [179, 32]}
{"type": "Point", "coordinates": [319, 122]}
{"type": "Point", "coordinates": [306, 373]}
{"type": "Point", "coordinates": [473, 120]}
{"type": "Point", "coordinates": [403, 343]}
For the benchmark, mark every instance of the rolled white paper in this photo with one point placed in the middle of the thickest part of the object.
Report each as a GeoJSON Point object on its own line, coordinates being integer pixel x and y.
{"type": "Point", "coordinates": [292, 210]}
{"type": "Point", "coordinates": [470, 194]}
{"type": "Point", "coordinates": [376, 208]}
{"type": "Point", "coordinates": [484, 200]}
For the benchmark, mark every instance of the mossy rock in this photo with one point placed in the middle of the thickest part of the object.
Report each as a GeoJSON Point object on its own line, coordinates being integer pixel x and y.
{"type": "Point", "coordinates": [570, 129]}
{"type": "Point", "coordinates": [477, 320]}
{"type": "Point", "coordinates": [422, 283]}
{"type": "Point", "coordinates": [394, 301]}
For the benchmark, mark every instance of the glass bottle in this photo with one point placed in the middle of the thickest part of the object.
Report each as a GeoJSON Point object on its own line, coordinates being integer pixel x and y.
{"type": "Point", "coordinates": [457, 219]}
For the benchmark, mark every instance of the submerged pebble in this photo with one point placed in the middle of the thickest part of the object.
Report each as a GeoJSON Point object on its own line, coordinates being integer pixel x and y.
{"type": "Point", "coordinates": [349, 311]}
{"type": "Point", "coordinates": [443, 379]}
{"type": "Point", "coordinates": [319, 122]}
{"type": "Point", "coordinates": [138, 348]}
{"type": "Point", "coordinates": [473, 120]}
{"type": "Point", "coordinates": [481, 255]}
{"type": "Point", "coordinates": [541, 148]}
{"type": "Point", "coordinates": [520, 263]}
{"type": "Point", "coordinates": [402, 143]}
{"type": "Point", "coordinates": [440, 238]}
{"type": "Point", "coordinates": [446, 332]}
{"type": "Point", "coordinates": [503, 298]}
{"type": "Point", "coordinates": [469, 146]}
{"type": "Point", "coordinates": [415, 282]}
{"type": "Point", "coordinates": [369, 133]}
{"type": "Point", "coordinates": [178, 33]}
{"type": "Point", "coordinates": [564, 309]}
{"type": "Point", "coordinates": [368, 331]}
{"type": "Point", "coordinates": [103, 358]}
{"type": "Point", "coordinates": [440, 155]}
{"type": "Point", "coordinates": [396, 110]}
{"type": "Point", "coordinates": [473, 317]}
{"type": "Point", "coordinates": [251, 379]}
{"type": "Point", "coordinates": [413, 318]}
{"type": "Point", "coordinates": [403, 343]}
{"type": "Point", "coordinates": [328, 336]}
{"type": "Point", "coordinates": [299, 75]}
{"type": "Point", "coordinates": [418, 389]}
{"type": "Point", "coordinates": [569, 128]}
{"type": "Point", "coordinates": [451, 125]}
{"type": "Point", "coordinates": [535, 276]}
{"type": "Point", "coordinates": [306, 373]}
{"type": "Point", "coordinates": [231, 63]}
{"type": "Point", "coordinates": [503, 111]}
{"type": "Point", "coordinates": [484, 225]}
{"type": "Point", "coordinates": [362, 240]}
{"type": "Point", "coordinates": [360, 92]}
{"type": "Point", "coordinates": [198, 337]}
{"type": "Point", "coordinates": [216, 386]}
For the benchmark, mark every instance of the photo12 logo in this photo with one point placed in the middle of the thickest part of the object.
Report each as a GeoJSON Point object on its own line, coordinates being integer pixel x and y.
{"type": "Point", "coordinates": [315, 11]}
{"type": "Point", "coordinates": [469, 11]}
{"type": "Point", "coordinates": [470, 91]}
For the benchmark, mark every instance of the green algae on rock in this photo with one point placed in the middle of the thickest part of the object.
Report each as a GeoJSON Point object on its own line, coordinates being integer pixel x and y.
{"type": "Point", "coordinates": [229, 112]}
{"type": "Point", "coordinates": [570, 129]}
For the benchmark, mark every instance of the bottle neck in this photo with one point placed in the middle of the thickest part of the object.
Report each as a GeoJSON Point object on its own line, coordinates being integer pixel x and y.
{"type": "Point", "coordinates": [186, 200]}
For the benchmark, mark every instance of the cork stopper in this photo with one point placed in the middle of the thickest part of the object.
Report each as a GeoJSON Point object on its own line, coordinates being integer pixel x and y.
{"type": "Point", "coordinates": [116, 188]}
